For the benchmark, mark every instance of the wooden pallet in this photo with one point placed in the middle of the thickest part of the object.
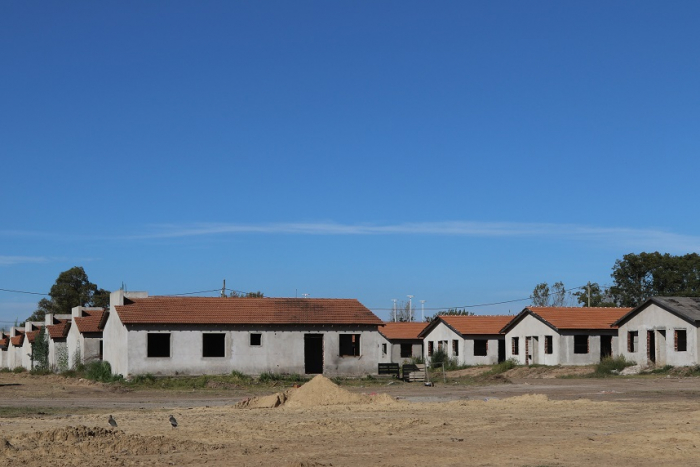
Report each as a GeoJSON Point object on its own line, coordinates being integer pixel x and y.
{"type": "Point", "coordinates": [414, 373]}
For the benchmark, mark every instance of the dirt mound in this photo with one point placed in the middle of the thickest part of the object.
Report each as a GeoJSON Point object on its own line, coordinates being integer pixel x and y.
{"type": "Point", "coordinates": [86, 440]}
{"type": "Point", "coordinates": [317, 392]}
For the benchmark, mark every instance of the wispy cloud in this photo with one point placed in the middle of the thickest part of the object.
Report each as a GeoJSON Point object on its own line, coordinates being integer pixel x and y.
{"type": "Point", "coordinates": [639, 238]}
{"type": "Point", "coordinates": [11, 260]}
{"type": "Point", "coordinates": [631, 238]}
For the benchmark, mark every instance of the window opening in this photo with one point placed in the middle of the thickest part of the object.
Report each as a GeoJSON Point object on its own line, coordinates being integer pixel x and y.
{"type": "Point", "coordinates": [406, 350]}
{"type": "Point", "coordinates": [680, 340]}
{"type": "Point", "coordinates": [255, 339]}
{"type": "Point", "coordinates": [481, 347]}
{"type": "Point", "coordinates": [349, 345]}
{"type": "Point", "coordinates": [580, 344]}
{"type": "Point", "coordinates": [548, 344]}
{"type": "Point", "coordinates": [158, 344]}
{"type": "Point", "coordinates": [213, 345]}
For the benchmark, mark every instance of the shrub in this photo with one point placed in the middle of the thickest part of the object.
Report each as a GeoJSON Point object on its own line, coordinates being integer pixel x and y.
{"type": "Point", "coordinates": [504, 366]}
{"type": "Point", "coordinates": [612, 365]}
{"type": "Point", "coordinates": [143, 379]}
{"type": "Point", "coordinates": [439, 358]}
{"type": "Point", "coordinates": [19, 369]}
{"type": "Point", "coordinates": [100, 371]}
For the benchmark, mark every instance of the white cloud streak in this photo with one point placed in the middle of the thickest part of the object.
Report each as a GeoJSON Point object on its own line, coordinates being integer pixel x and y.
{"type": "Point", "coordinates": [639, 238]}
{"type": "Point", "coordinates": [12, 260]}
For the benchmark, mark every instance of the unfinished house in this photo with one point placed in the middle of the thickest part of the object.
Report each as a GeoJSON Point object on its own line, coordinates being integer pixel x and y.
{"type": "Point", "coordinates": [14, 350]}
{"type": "Point", "coordinates": [4, 344]}
{"type": "Point", "coordinates": [661, 331]}
{"type": "Point", "coordinates": [207, 335]}
{"type": "Point", "coordinates": [84, 339]}
{"type": "Point", "coordinates": [469, 340]}
{"type": "Point", "coordinates": [57, 327]}
{"type": "Point", "coordinates": [401, 343]}
{"type": "Point", "coordinates": [31, 332]}
{"type": "Point", "coordinates": [562, 335]}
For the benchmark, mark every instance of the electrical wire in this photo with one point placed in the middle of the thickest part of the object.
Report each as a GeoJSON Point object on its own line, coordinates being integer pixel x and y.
{"type": "Point", "coordinates": [24, 291]}
{"type": "Point", "coordinates": [489, 304]}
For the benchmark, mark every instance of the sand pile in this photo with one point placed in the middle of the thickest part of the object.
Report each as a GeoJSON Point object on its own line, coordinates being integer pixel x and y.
{"type": "Point", "coordinates": [317, 392]}
{"type": "Point", "coordinates": [86, 440]}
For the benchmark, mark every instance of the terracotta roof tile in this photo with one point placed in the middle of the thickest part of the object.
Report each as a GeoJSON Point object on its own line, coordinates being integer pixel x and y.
{"type": "Point", "coordinates": [215, 310]}
{"type": "Point", "coordinates": [392, 330]}
{"type": "Point", "coordinates": [476, 324]}
{"type": "Point", "coordinates": [93, 321]}
{"type": "Point", "coordinates": [31, 335]}
{"type": "Point", "coordinates": [60, 329]}
{"type": "Point", "coordinates": [4, 342]}
{"type": "Point", "coordinates": [18, 339]}
{"type": "Point", "coordinates": [579, 318]}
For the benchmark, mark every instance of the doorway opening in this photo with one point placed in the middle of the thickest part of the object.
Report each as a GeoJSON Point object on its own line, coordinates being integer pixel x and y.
{"type": "Point", "coordinates": [651, 346]}
{"type": "Point", "coordinates": [313, 354]}
{"type": "Point", "coordinates": [605, 346]}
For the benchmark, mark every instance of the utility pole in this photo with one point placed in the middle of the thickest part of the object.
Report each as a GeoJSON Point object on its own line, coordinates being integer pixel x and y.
{"type": "Point", "coordinates": [393, 318]}
{"type": "Point", "coordinates": [223, 290]}
{"type": "Point", "coordinates": [422, 311]}
{"type": "Point", "coordinates": [410, 307]}
{"type": "Point", "coordinates": [589, 294]}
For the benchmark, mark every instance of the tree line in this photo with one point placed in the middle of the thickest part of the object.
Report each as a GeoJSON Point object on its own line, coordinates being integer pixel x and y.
{"type": "Point", "coordinates": [636, 277]}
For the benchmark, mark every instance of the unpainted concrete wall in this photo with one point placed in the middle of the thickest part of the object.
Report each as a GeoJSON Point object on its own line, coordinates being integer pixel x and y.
{"type": "Point", "coordinates": [281, 351]}
{"type": "Point", "coordinates": [656, 319]}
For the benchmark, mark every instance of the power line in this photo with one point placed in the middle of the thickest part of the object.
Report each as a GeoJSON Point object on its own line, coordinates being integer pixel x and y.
{"type": "Point", "coordinates": [494, 303]}
{"type": "Point", "coordinates": [24, 291]}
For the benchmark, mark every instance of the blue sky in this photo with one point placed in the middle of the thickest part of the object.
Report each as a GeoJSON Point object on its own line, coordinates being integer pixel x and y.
{"type": "Point", "coordinates": [461, 152]}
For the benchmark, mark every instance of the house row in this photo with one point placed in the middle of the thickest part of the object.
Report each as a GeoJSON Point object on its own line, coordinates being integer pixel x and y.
{"type": "Point", "coordinates": [72, 339]}
{"type": "Point", "coordinates": [159, 335]}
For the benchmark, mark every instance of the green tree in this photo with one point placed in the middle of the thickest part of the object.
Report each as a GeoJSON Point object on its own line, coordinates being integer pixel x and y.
{"type": "Point", "coordinates": [72, 288]}
{"type": "Point", "coordinates": [40, 350]}
{"type": "Point", "coordinates": [543, 296]}
{"type": "Point", "coordinates": [451, 312]}
{"type": "Point", "coordinates": [257, 294]}
{"type": "Point", "coordinates": [600, 297]}
{"type": "Point", "coordinates": [637, 277]}
{"type": "Point", "coordinates": [540, 295]}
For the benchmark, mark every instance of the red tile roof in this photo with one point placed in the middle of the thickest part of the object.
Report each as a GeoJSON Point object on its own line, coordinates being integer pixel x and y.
{"type": "Point", "coordinates": [577, 317]}
{"type": "Point", "coordinates": [31, 335]}
{"type": "Point", "coordinates": [476, 324]}
{"type": "Point", "coordinates": [4, 342]}
{"type": "Point", "coordinates": [93, 321]}
{"type": "Point", "coordinates": [392, 330]}
{"type": "Point", "coordinates": [60, 329]}
{"type": "Point", "coordinates": [215, 310]}
{"type": "Point", "coordinates": [18, 339]}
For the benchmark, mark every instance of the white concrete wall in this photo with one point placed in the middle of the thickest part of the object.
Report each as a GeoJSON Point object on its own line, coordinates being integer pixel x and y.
{"type": "Point", "coordinates": [14, 354]}
{"type": "Point", "coordinates": [73, 345]}
{"type": "Point", "coordinates": [656, 319]}
{"type": "Point", "coordinates": [491, 357]}
{"type": "Point", "coordinates": [442, 332]}
{"type": "Point", "coordinates": [55, 345]}
{"type": "Point", "coordinates": [115, 335]}
{"type": "Point", "coordinates": [534, 331]}
{"type": "Point", "coordinates": [465, 346]}
{"type": "Point", "coordinates": [282, 350]}
{"type": "Point", "coordinates": [395, 350]}
{"type": "Point", "coordinates": [530, 326]}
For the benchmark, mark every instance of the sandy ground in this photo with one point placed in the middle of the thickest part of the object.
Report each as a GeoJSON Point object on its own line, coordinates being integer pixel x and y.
{"type": "Point", "coordinates": [526, 422]}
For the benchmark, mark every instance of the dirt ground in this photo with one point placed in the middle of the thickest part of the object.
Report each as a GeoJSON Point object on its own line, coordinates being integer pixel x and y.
{"type": "Point", "coordinates": [517, 421]}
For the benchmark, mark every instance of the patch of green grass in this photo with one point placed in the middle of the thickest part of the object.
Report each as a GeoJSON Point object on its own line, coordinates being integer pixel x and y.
{"type": "Point", "coordinates": [101, 371]}
{"type": "Point", "coordinates": [19, 369]}
{"type": "Point", "coordinates": [503, 367]}
{"type": "Point", "coordinates": [611, 365]}
{"type": "Point", "coordinates": [269, 377]}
